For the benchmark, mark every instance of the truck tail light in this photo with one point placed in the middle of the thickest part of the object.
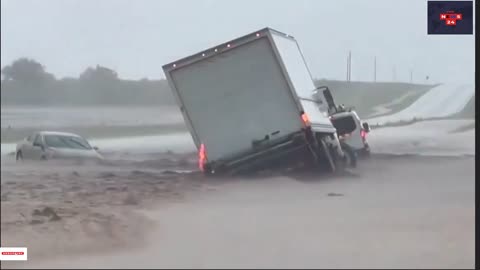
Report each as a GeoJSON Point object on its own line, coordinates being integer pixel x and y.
{"type": "Point", "coordinates": [305, 119]}
{"type": "Point", "coordinates": [202, 157]}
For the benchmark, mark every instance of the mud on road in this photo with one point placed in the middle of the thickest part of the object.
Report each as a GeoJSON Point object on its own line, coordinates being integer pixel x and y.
{"type": "Point", "coordinates": [65, 208]}
{"type": "Point", "coordinates": [402, 211]}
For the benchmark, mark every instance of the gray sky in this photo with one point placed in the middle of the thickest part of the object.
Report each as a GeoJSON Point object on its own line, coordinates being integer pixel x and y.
{"type": "Point", "coordinates": [136, 37]}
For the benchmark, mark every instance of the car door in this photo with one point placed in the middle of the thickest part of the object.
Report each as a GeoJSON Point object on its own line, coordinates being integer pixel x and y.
{"type": "Point", "coordinates": [332, 108]}
{"type": "Point", "coordinates": [26, 146]}
{"type": "Point", "coordinates": [37, 149]}
{"type": "Point", "coordinates": [355, 139]}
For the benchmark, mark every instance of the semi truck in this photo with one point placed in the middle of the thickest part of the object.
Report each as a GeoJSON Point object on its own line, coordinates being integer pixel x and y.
{"type": "Point", "coordinates": [248, 104]}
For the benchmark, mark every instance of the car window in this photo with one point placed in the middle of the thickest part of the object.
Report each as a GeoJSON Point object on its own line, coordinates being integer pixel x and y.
{"type": "Point", "coordinates": [61, 141]}
{"type": "Point", "coordinates": [38, 139]}
{"type": "Point", "coordinates": [344, 125]}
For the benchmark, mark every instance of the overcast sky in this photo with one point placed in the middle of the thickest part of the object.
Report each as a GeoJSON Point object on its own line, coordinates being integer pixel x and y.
{"type": "Point", "coordinates": [136, 37]}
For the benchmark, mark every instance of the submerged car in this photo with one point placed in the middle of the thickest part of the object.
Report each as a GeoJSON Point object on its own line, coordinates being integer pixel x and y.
{"type": "Point", "coordinates": [45, 145]}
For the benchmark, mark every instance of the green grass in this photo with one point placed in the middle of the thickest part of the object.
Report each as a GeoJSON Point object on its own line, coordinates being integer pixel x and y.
{"type": "Point", "coordinates": [401, 123]}
{"type": "Point", "coordinates": [467, 112]}
{"type": "Point", "coordinates": [415, 120]}
{"type": "Point", "coordinates": [361, 95]}
{"type": "Point", "coordinates": [364, 96]}
{"type": "Point", "coordinates": [405, 103]}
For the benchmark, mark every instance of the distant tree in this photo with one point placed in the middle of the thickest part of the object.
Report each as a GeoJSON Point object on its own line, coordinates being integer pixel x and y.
{"type": "Point", "coordinates": [26, 70]}
{"type": "Point", "coordinates": [99, 74]}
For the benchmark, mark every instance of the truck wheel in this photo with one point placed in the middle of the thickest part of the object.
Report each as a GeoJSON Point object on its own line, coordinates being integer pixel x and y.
{"type": "Point", "coordinates": [328, 160]}
{"type": "Point", "coordinates": [211, 172]}
{"type": "Point", "coordinates": [350, 156]}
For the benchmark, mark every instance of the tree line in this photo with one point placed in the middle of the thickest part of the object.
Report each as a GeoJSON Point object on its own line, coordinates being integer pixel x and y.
{"type": "Point", "coordinates": [26, 82]}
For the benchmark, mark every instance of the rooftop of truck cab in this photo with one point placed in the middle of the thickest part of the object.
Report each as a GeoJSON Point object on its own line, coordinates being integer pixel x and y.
{"type": "Point", "coordinates": [221, 48]}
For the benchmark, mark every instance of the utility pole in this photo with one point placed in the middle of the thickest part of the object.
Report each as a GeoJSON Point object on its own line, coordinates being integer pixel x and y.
{"type": "Point", "coordinates": [375, 69]}
{"type": "Point", "coordinates": [411, 75]}
{"type": "Point", "coordinates": [394, 74]}
{"type": "Point", "coordinates": [349, 66]}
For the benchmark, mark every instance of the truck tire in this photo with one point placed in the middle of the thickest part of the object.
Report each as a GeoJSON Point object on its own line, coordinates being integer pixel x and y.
{"type": "Point", "coordinates": [328, 161]}
{"type": "Point", "coordinates": [350, 156]}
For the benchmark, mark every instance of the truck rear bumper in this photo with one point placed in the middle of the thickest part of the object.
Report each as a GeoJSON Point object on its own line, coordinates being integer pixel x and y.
{"type": "Point", "coordinates": [278, 152]}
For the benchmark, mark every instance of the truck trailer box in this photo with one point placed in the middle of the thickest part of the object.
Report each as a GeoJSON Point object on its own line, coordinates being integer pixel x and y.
{"type": "Point", "coordinates": [248, 99]}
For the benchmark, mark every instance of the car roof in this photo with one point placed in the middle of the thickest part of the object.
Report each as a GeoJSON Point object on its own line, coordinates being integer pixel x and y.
{"type": "Point", "coordinates": [59, 133]}
{"type": "Point", "coordinates": [341, 114]}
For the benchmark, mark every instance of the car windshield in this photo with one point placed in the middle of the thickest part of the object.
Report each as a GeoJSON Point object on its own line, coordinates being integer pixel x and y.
{"type": "Point", "coordinates": [63, 141]}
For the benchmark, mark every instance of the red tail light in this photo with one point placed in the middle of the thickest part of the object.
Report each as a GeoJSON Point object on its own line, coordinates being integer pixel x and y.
{"type": "Point", "coordinates": [202, 157]}
{"type": "Point", "coordinates": [305, 119]}
{"type": "Point", "coordinates": [363, 134]}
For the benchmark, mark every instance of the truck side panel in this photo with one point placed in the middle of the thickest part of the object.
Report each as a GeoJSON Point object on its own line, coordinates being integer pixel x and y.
{"type": "Point", "coordinates": [302, 81]}
{"type": "Point", "coordinates": [236, 97]}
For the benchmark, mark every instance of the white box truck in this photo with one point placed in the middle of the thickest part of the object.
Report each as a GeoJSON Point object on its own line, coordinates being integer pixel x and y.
{"type": "Point", "coordinates": [248, 104]}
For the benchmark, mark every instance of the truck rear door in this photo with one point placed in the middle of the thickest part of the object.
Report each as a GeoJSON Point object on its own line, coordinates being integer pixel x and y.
{"type": "Point", "coordinates": [235, 96]}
